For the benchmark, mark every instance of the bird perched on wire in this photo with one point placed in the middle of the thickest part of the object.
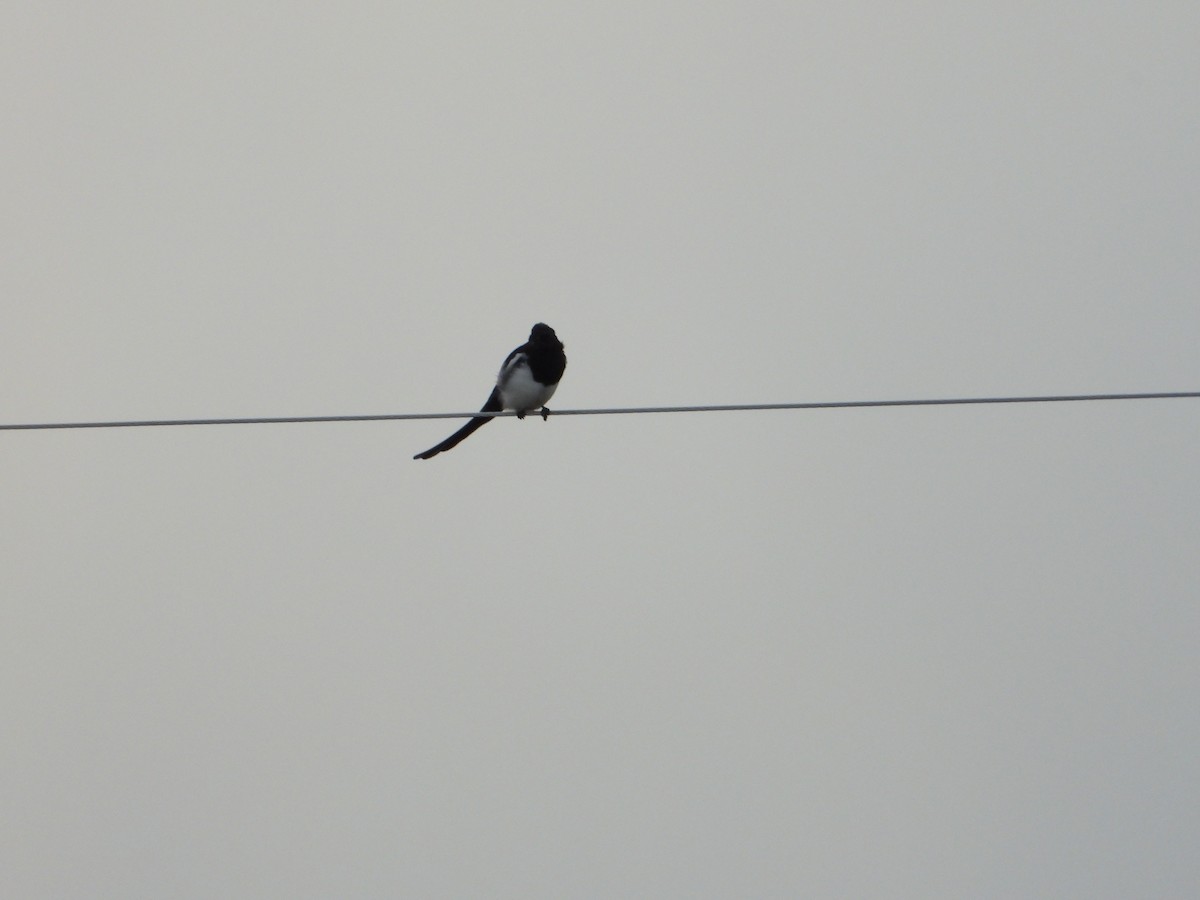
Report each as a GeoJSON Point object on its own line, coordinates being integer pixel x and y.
{"type": "Point", "coordinates": [527, 380]}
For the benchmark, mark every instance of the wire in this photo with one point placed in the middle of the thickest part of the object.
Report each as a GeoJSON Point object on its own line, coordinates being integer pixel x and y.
{"type": "Point", "coordinates": [617, 411]}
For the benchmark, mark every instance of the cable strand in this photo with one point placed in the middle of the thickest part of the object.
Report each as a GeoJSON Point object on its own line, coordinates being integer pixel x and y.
{"type": "Point", "coordinates": [614, 411]}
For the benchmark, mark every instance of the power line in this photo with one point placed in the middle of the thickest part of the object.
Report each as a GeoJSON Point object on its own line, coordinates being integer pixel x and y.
{"type": "Point", "coordinates": [616, 411]}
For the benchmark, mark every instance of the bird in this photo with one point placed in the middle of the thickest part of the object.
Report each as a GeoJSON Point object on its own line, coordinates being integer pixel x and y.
{"type": "Point", "coordinates": [527, 380]}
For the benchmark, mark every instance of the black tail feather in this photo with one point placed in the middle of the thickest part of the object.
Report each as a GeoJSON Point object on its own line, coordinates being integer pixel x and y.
{"type": "Point", "coordinates": [493, 405]}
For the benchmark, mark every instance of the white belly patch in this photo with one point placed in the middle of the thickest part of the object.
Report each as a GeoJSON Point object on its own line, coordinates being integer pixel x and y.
{"type": "Point", "coordinates": [519, 390]}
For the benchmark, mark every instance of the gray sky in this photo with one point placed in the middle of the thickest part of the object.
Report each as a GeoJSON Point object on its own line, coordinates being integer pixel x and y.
{"type": "Point", "coordinates": [876, 653]}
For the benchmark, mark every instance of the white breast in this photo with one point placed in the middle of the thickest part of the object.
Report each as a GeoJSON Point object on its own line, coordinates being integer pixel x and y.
{"type": "Point", "coordinates": [519, 391]}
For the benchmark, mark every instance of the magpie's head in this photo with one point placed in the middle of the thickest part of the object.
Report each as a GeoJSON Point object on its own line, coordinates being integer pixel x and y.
{"type": "Point", "coordinates": [543, 333]}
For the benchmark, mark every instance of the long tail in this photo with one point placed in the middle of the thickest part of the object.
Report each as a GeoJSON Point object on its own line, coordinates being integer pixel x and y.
{"type": "Point", "coordinates": [493, 405]}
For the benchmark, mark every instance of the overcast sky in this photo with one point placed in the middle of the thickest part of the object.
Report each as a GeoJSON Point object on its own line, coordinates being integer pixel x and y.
{"type": "Point", "coordinates": [902, 653]}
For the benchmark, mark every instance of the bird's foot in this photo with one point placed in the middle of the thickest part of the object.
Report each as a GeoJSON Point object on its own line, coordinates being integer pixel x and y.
{"type": "Point", "coordinates": [545, 414]}
{"type": "Point", "coordinates": [521, 413]}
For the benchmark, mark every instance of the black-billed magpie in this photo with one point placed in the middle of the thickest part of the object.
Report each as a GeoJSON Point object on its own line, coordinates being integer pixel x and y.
{"type": "Point", "coordinates": [526, 381]}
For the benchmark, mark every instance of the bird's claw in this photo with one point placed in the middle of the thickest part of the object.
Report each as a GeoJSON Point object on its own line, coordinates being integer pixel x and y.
{"type": "Point", "coordinates": [545, 414]}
